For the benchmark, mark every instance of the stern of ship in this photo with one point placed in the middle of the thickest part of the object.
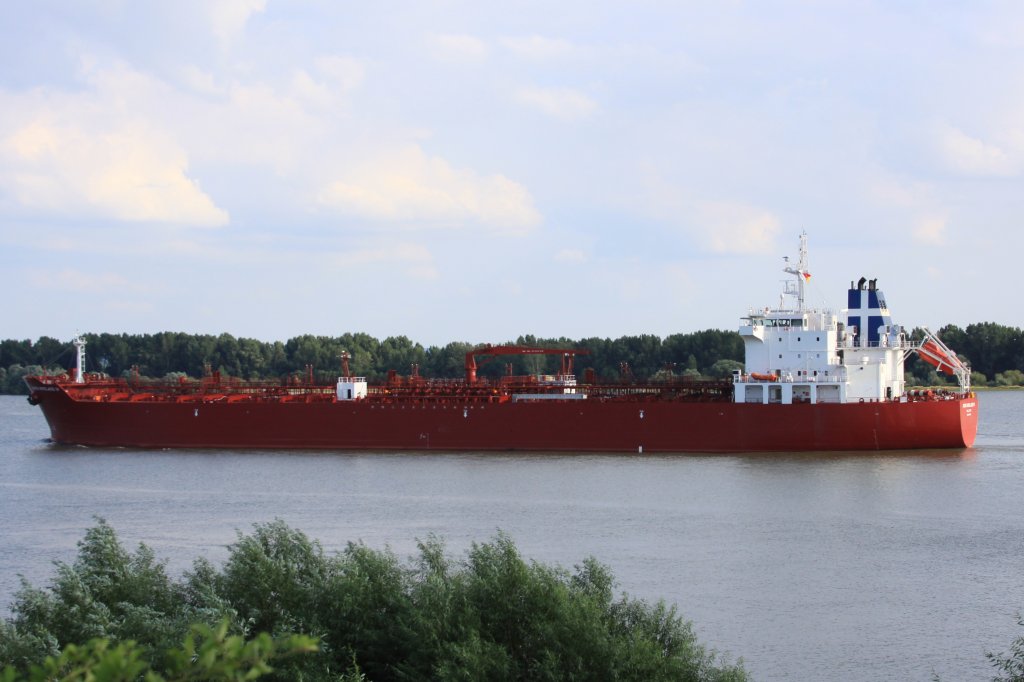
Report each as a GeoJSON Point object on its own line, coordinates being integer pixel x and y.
{"type": "Point", "coordinates": [968, 418]}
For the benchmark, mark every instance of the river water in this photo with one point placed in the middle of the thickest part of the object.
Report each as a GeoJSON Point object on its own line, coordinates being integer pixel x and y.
{"type": "Point", "coordinates": [808, 566]}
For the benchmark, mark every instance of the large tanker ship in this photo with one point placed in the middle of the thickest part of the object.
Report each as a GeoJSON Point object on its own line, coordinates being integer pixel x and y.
{"type": "Point", "coordinates": [813, 380]}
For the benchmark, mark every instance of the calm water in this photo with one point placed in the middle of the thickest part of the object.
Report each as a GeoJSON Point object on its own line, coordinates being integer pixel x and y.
{"type": "Point", "coordinates": [809, 566]}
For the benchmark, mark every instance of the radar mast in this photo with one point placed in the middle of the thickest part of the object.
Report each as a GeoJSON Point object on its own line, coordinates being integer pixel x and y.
{"type": "Point", "coordinates": [800, 272]}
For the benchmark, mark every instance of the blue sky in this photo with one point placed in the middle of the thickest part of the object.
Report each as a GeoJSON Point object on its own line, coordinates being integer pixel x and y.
{"type": "Point", "coordinates": [474, 171]}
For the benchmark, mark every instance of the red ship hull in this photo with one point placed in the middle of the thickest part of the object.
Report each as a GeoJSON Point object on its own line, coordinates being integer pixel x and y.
{"type": "Point", "coordinates": [571, 425]}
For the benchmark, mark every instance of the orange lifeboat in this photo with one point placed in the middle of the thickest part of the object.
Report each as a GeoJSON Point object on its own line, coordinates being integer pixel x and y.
{"type": "Point", "coordinates": [931, 353]}
{"type": "Point", "coordinates": [763, 377]}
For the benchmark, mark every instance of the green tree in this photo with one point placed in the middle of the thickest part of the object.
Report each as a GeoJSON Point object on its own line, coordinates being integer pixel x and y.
{"type": "Point", "coordinates": [991, 348]}
{"type": "Point", "coordinates": [1010, 665]}
{"type": "Point", "coordinates": [723, 369]}
{"type": "Point", "coordinates": [110, 353]}
{"type": "Point", "coordinates": [107, 592]}
{"type": "Point", "coordinates": [206, 654]}
{"type": "Point", "coordinates": [492, 615]}
{"type": "Point", "coordinates": [705, 347]}
{"type": "Point", "coordinates": [14, 380]}
{"type": "Point", "coordinates": [14, 352]}
{"type": "Point", "coordinates": [448, 361]}
{"type": "Point", "coordinates": [399, 353]}
{"type": "Point", "coordinates": [1011, 377]}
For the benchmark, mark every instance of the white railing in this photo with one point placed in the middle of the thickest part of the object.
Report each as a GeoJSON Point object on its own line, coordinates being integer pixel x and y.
{"type": "Point", "coordinates": [789, 379]}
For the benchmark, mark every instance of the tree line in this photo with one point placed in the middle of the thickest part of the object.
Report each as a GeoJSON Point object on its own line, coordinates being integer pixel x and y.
{"type": "Point", "coordinates": [167, 354]}
{"type": "Point", "coordinates": [995, 352]}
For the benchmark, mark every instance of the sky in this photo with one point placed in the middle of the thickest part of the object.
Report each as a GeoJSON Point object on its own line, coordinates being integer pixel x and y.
{"type": "Point", "coordinates": [466, 171]}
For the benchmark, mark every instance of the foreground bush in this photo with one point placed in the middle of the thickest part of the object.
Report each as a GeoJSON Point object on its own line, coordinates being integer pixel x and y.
{"type": "Point", "coordinates": [1010, 665]}
{"type": "Point", "coordinates": [489, 616]}
{"type": "Point", "coordinates": [206, 654]}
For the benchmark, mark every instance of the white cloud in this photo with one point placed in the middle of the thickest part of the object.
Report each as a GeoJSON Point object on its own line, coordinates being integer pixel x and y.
{"type": "Point", "coordinates": [198, 80]}
{"type": "Point", "coordinates": [415, 259]}
{"type": "Point", "coordinates": [122, 307]}
{"type": "Point", "coordinates": [411, 187]}
{"type": "Point", "coordinates": [459, 47]}
{"type": "Point", "coordinates": [259, 123]}
{"type": "Point", "coordinates": [539, 48]}
{"type": "Point", "coordinates": [346, 73]}
{"type": "Point", "coordinates": [305, 87]}
{"type": "Point", "coordinates": [633, 281]}
{"type": "Point", "coordinates": [228, 17]}
{"type": "Point", "coordinates": [931, 231]}
{"type": "Point", "coordinates": [563, 103]}
{"type": "Point", "coordinates": [972, 156]}
{"type": "Point", "coordinates": [890, 191]}
{"type": "Point", "coordinates": [338, 76]}
{"type": "Point", "coordinates": [132, 174]}
{"type": "Point", "coordinates": [734, 228]}
{"type": "Point", "coordinates": [719, 226]}
{"type": "Point", "coordinates": [571, 256]}
{"type": "Point", "coordinates": [72, 280]}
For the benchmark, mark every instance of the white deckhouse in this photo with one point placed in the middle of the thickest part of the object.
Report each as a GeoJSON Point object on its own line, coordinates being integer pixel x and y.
{"type": "Point", "coordinates": [796, 354]}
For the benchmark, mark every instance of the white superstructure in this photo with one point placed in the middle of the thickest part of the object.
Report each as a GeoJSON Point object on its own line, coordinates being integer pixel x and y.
{"type": "Point", "coordinates": [349, 387]}
{"type": "Point", "coordinates": [796, 354]}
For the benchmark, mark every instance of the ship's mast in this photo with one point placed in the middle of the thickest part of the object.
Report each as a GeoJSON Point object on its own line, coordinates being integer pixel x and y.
{"type": "Point", "coordinates": [800, 272]}
{"type": "Point", "coordinates": [79, 344]}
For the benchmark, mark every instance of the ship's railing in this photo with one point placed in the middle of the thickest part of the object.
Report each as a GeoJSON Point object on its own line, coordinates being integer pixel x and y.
{"type": "Point", "coordinates": [905, 344]}
{"type": "Point", "coordinates": [789, 379]}
{"type": "Point", "coordinates": [425, 392]}
{"type": "Point", "coordinates": [811, 319]}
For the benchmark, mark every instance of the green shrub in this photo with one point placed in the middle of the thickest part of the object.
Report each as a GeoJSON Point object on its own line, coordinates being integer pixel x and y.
{"type": "Point", "coordinates": [492, 615]}
{"type": "Point", "coordinates": [206, 654]}
{"type": "Point", "coordinates": [1010, 665]}
{"type": "Point", "coordinates": [1011, 377]}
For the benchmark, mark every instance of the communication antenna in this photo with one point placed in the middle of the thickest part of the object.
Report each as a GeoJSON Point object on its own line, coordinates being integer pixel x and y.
{"type": "Point", "coordinates": [800, 272]}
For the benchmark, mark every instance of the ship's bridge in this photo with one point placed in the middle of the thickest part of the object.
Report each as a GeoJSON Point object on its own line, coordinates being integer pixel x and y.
{"type": "Point", "coordinates": [800, 354]}
{"type": "Point", "coordinates": [791, 345]}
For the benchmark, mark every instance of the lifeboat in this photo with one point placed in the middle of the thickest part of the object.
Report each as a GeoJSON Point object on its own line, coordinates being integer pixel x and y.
{"type": "Point", "coordinates": [763, 377]}
{"type": "Point", "coordinates": [937, 357]}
